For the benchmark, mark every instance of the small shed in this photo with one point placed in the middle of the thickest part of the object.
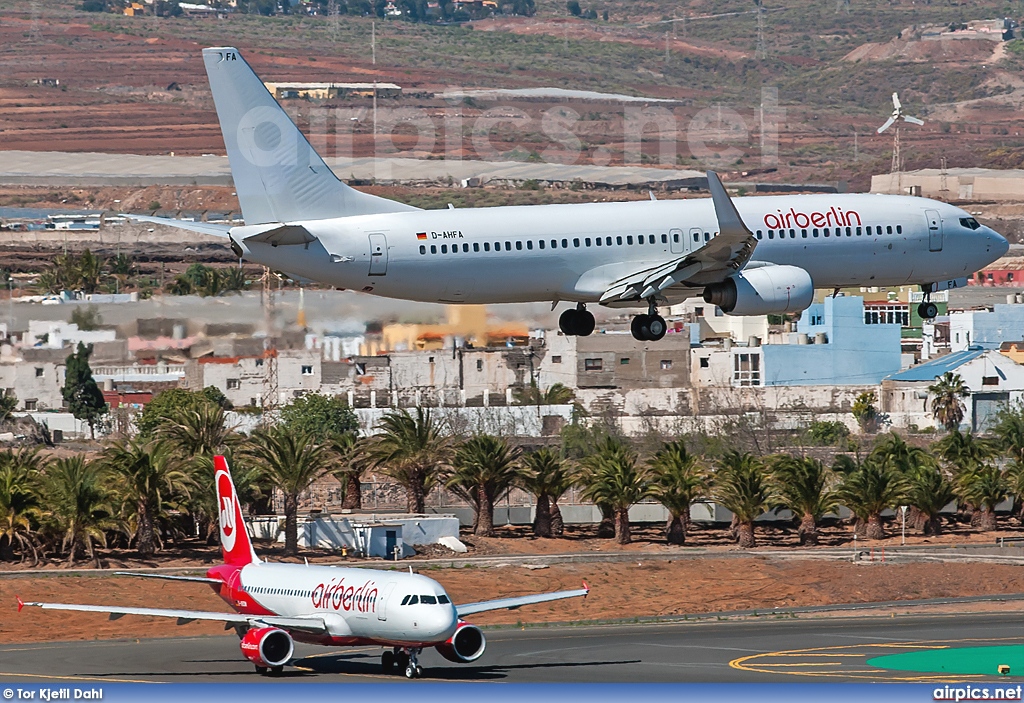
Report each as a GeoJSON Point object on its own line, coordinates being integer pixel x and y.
{"type": "Point", "coordinates": [381, 539]}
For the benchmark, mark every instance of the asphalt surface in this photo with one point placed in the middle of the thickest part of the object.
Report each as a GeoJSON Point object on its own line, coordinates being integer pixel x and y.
{"type": "Point", "coordinates": [751, 650]}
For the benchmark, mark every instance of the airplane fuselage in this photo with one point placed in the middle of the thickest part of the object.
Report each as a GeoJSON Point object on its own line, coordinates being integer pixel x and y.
{"type": "Point", "coordinates": [574, 252]}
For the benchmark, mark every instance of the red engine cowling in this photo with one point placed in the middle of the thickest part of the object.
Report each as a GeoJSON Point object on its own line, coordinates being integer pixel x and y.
{"type": "Point", "coordinates": [466, 645]}
{"type": "Point", "coordinates": [267, 646]}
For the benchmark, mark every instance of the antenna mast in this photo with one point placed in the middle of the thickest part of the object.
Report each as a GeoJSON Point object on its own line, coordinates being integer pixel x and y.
{"type": "Point", "coordinates": [270, 398]}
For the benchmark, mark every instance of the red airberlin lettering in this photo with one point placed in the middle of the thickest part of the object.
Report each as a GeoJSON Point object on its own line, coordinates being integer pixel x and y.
{"type": "Point", "coordinates": [339, 596]}
{"type": "Point", "coordinates": [833, 217]}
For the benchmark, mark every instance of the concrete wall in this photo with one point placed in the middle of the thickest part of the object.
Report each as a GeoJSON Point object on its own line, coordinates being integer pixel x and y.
{"type": "Point", "coordinates": [38, 381]}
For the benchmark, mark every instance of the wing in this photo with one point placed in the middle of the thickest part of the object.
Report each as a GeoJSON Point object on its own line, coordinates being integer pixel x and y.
{"type": "Point", "coordinates": [169, 577]}
{"type": "Point", "coordinates": [725, 254]}
{"type": "Point", "coordinates": [315, 625]}
{"type": "Point", "coordinates": [202, 227]}
{"type": "Point", "coordinates": [519, 601]}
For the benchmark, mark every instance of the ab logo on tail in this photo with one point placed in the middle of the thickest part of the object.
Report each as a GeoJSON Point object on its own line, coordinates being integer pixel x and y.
{"type": "Point", "coordinates": [226, 498]}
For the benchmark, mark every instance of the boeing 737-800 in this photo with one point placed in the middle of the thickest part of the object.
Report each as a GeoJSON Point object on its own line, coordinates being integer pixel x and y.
{"type": "Point", "coordinates": [753, 256]}
{"type": "Point", "coordinates": [278, 604]}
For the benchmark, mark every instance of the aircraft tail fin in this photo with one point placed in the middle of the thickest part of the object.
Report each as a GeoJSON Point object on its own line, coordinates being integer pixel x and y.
{"type": "Point", "coordinates": [277, 174]}
{"type": "Point", "coordinates": [234, 539]}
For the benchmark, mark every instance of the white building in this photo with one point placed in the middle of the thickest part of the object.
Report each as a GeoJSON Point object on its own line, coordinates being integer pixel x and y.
{"type": "Point", "coordinates": [985, 328]}
{"type": "Point", "coordinates": [50, 334]}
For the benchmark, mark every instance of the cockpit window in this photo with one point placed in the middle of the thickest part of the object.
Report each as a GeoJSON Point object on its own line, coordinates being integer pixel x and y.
{"type": "Point", "coordinates": [428, 600]}
{"type": "Point", "coordinates": [414, 600]}
{"type": "Point", "coordinates": [969, 222]}
{"type": "Point", "coordinates": [443, 599]}
{"type": "Point", "coordinates": [405, 601]}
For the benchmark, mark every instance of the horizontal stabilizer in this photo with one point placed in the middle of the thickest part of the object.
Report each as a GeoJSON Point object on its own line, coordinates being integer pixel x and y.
{"type": "Point", "coordinates": [170, 577]}
{"type": "Point", "coordinates": [284, 234]}
{"type": "Point", "coordinates": [210, 228]}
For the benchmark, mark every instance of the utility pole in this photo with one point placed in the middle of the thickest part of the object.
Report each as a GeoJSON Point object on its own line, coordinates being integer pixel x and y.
{"type": "Point", "coordinates": [762, 49]}
{"type": "Point", "coordinates": [270, 398]}
{"type": "Point", "coordinates": [373, 54]}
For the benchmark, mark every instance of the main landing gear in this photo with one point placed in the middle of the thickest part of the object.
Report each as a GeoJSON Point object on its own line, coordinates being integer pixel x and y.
{"type": "Point", "coordinates": [577, 321]}
{"type": "Point", "coordinates": [406, 660]}
{"type": "Point", "coordinates": [928, 310]}
{"type": "Point", "coordinates": [271, 671]}
{"type": "Point", "coordinates": [650, 327]}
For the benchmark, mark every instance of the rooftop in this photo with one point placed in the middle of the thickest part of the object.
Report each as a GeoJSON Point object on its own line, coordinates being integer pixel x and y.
{"type": "Point", "coordinates": [930, 370]}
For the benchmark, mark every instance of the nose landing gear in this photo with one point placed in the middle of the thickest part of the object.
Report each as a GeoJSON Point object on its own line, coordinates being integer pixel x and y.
{"type": "Point", "coordinates": [650, 327]}
{"type": "Point", "coordinates": [405, 660]}
{"type": "Point", "coordinates": [577, 321]}
{"type": "Point", "coordinates": [928, 310]}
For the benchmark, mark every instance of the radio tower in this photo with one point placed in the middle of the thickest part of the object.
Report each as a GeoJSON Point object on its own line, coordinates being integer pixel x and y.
{"type": "Point", "coordinates": [270, 398]}
{"type": "Point", "coordinates": [762, 49]}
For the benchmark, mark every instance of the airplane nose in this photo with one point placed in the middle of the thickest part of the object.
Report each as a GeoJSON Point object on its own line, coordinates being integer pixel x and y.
{"type": "Point", "coordinates": [998, 243]}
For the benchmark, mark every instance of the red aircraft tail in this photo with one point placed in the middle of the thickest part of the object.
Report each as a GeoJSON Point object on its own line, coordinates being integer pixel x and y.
{"type": "Point", "coordinates": [234, 540]}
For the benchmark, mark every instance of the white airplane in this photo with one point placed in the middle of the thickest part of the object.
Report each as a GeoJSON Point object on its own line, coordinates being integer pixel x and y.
{"type": "Point", "coordinates": [752, 257]}
{"type": "Point", "coordinates": [278, 604]}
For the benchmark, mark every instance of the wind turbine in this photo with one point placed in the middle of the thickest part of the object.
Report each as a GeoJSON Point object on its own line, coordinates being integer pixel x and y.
{"type": "Point", "coordinates": [894, 118]}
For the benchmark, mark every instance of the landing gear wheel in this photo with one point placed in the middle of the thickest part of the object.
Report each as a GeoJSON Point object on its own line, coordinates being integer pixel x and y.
{"type": "Point", "coordinates": [585, 323]}
{"type": "Point", "coordinates": [928, 310]}
{"type": "Point", "coordinates": [410, 671]}
{"type": "Point", "coordinates": [387, 662]}
{"type": "Point", "coordinates": [567, 321]}
{"type": "Point", "coordinates": [639, 327]}
{"type": "Point", "coordinates": [419, 671]}
{"type": "Point", "coordinates": [655, 327]}
{"type": "Point", "coordinates": [261, 670]}
{"type": "Point", "coordinates": [276, 670]}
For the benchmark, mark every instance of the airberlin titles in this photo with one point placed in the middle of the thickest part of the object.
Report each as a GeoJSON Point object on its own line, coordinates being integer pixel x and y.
{"type": "Point", "coordinates": [833, 217]}
{"type": "Point", "coordinates": [338, 596]}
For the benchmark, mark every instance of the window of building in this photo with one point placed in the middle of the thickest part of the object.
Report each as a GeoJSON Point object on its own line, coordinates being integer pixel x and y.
{"type": "Point", "coordinates": [990, 380]}
{"type": "Point", "coordinates": [887, 315]}
{"type": "Point", "coordinates": [666, 364]}
{"type": "Point", "coordinates": [705, 362]}
{"type": "Point", "coordinates": [746, 370]}
{"type": "Point", "coordinates": [307, 370]}
{"type": "Point", "coordinates": [624, 361]}
{"type": "Point", "coordinates": [39, 372]}
{"type": "Point", "coordinates": [698, 311]}
{"type": "Point", "coordinates": [31, 403]}
{"type": "Point", "coordinates": [259, 363]}
{"type": "Point", "coordinates": [479, 364]}
{"type": "Point", "coordinates": [234, 384]}
{"type": "Point", "coordinates": [556, 359]}
{"type": "Point", "coordinates": [593, 365]}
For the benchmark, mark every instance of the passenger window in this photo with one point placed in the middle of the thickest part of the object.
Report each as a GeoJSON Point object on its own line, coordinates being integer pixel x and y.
{"type": "Point", "coordinates": [565, 244]}
{"type": "Point", "coordinates": [540, 243]}
{"type": "Point", "coordinates": [696, 236]}
{"type": "Point", "coordinates": [618, 240]}
{"type": "Point", "coordinates": [586, 241]}
{"type": "Point", "coordinates": [792, 234]}
{"type": "Point", "coordinates": [487, 246]}
{"type": "Point", "coordinates": [597, 241]}
{"type": "Point", "coordinates": [664, 239]}
{"type": "Point", "coordinates": [554, 243]}
{"type": "Point", "coordinates": [443, 599]}
{"type": "Point", "coordinates": [848, 231]}
{"type": "Point", "coordinates": [899, 229]}
{"type": "Point", "coordinates": [476, 246]}
{"type": "Point", "coordinates": [888, 229]}
{"type": "Point", "coordinates": [804, 233]}
{"type": "Point", "coordinates": [608, 241]}
{"type": "Point", "coordinates": [455, 248]}
{"type": "Point", "coordinates": [413, 600]}
{"type": "Point", "coordinates": [508, 246]}
{"type": "Point", "coordinates": [629, 239]}
{"type": "Point", "coordinates": [428, 600]}
{"type": "Point", "coordinates": [575, 242]}
{"type": "Point", "coordinates": [444, 248]}
{"type": "Point", "coordinates": [433, 248]}
{"type": "Point", "coordinates": [423, 249]}
{"type": "Point", "coordinates": [867, 230]}
{"type": "Point", "coordinates": [465, 248]}
{"type": "Point", "coordinates": [707, 236]}
{"type": "Point", "coordinates": [650, 239]}
{"type": "Point", "coordinates": [858, 231]}
{"type": "Point", "coordinates": [529, 244]}
{"type": "Point", "coordinates": [519, 246]}
{"type": "Point", "coordinates": [771, 234]}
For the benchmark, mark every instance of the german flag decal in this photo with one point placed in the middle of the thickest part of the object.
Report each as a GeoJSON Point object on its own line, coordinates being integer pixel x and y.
{"type": "Point", "coordinates": [421, 235]}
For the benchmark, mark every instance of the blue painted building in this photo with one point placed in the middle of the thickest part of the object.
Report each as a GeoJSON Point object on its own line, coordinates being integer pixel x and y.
{"type": "Point", "coordinates": [844, 351]}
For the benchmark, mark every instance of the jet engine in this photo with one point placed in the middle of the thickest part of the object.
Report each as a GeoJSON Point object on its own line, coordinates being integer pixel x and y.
{"type": "Point", "coordinates": [267, 646]}
{"type": "Point", "coordinates": [466, 645]}
{"type": "Point", "coordinates": [762, 291]}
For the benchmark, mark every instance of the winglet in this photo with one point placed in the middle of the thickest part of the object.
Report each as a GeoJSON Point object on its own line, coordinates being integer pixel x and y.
{"type": "Point", "coordinates": [586, 588]}
{"type": "Point", "coordinates": [729, 220]}
{"type": "Point", "coordinates": [21, 603]}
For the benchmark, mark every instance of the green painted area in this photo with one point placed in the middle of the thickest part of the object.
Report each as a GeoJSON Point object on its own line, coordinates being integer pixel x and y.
{"type": "Point", "coordinates": [967, 660]}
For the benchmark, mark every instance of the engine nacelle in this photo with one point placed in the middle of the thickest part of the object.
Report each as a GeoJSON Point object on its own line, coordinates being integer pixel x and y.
{"type": "Point", "coordinates": [466, 645]}
{"type": "Point", "coordinates": [267, 646]}
{"type": "Point", "coordinates": [762, 291]}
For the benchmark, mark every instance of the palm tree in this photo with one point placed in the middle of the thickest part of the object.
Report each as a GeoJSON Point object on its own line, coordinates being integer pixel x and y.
{"type": "Point", "coordinates": [149, 479]}
{"type": "Point", "coordinates": [79, 503]}
{"type": "Point", "coordinates": [484, 469]}
{"type": "Point", "coordinates": [678, 479]}
{"type": "Point", "coordinates": [1009, 428]}
{"type": "Point", "coordinates": [412, 450]}
{"type": "Point", "coordinates": [20, 482]}
{"type": "Point", "coordinates": [547, 477]}
{"type": "Point", "coordinates": [616, 482]}
{"type": "Point", "coordinates": [198, 429]}
{"type": "Point", "coordinates": [985, 487]}
{"type": "Point", "coordinates": [873, 487]}
{"type": "Point", "coordinates": [351, 455]}
{"type": "Point", "coordinates": [805, 486]}
{"type": "Point", "coordinates": [929, 491]}
{"type": "Point", "coordinates": [291, 462]}
{"type": "Point", "coordinates": [901, 456]}
{"type": "Point", "coordinates": [947, 403]}
{"type": "Point", "coordinates": [741, 486]}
